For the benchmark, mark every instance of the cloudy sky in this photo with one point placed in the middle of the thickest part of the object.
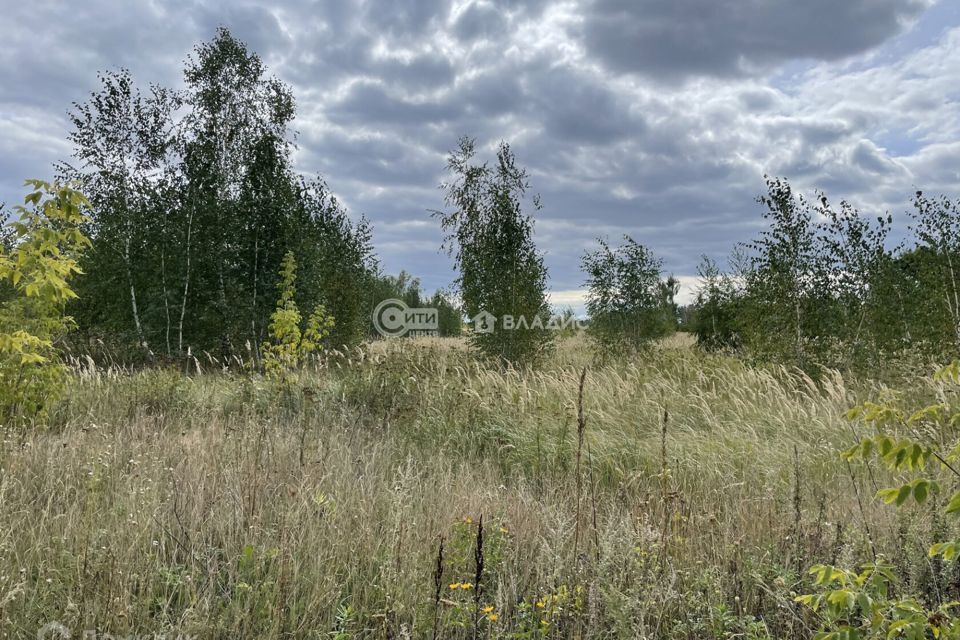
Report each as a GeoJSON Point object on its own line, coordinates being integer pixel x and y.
{"type": "Point", "coordinates": [655, 118]}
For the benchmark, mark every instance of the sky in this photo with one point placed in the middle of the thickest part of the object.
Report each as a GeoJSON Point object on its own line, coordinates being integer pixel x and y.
{"type": "Point", "coordinates": [653, 118]}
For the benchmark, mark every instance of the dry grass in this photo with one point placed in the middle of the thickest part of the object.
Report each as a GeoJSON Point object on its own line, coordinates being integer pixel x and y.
{"type": "Point", "coordinates": [217, 506]}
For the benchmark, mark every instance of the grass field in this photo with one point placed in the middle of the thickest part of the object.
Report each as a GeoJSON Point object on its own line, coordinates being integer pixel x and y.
{"type": "Point", "coordinates": [215, 505]}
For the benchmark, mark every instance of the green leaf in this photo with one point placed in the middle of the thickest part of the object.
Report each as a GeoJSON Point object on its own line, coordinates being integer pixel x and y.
{"type": "Point", "coordinates": [946, 549]}
{"type": "Point", "coordinates": [886, 445]}
{"type": "Point", "coordinates": [888, 495]}
{"type": "Point", "coordinates": [954, 505]}
{"type": "Point", "coordinates": [903, 493]}
{"type": "Point", "coordinates": [851, 453]}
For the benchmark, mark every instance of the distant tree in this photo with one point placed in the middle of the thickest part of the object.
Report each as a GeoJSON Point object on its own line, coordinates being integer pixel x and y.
{"type": "Point", "coordinates": [784, 280]}
{"type": "Point", "coordinates": [820, 286]}
{"type": "Point", "coordinates": [408, 289]}
{"type": "Point", "coordinates": [8, 239]}
{"type": "Point", "coordinates": [449, 314]}
{"type": "Point", "coordinates": [857, 262]}
{"type": "Point", "coordinates": [501, 272]}
{"type": "Point", "coordinates": [716, 310]}
{"type": "Point", "coordinates": [402, 286]}
{"type": "Point", "coordinates": [337, 264]}
{"type": "Point", "coordinates": [919, 319]}
{"type": "Point", "coordinates": [235, 153]}
{"type": "Point", "coordinates": [628, 301]}
{"type": "Point", "coordinates": [123, 140]}
{"type": "Point", "coordinates": [936, 225]}
{"type": "Point", "coordinates": [568, 323]}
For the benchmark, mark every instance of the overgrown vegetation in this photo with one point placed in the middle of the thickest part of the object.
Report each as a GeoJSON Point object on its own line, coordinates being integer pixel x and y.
{"type": "Point", "coordinates": [822, 286]}
{"type": "Point", "coordinates": [918, 442]}
{"type": "Point", "coordinates": [684, 496]}
{"type": "Point", "coordinates": [36, 269]}
{"type": "Point", "coordinates": [291, 344]}
{"type": "Point", "coordinates": [274, 476]}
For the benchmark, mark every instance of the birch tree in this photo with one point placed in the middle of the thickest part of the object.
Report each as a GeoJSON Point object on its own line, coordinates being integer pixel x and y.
{"type": "Point", "coordinates": [194, 203]}
{"type": "Point", "coordinates": [501, 271]}
{"type": "Point", "coordinates": [121, 139]}
{"type": "Point", "coordinates": [936, 224]}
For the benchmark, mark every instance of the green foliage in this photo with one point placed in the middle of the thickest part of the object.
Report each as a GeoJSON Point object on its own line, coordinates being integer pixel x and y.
{"type": "Point", "coordinates": [407, 288]}
{"type": "Point", "coordinates": [568, 322]}
{"type": "Point", "coordinates": [501, 272]}
{"type": "Point", "coordinates": [38, 265]}
{"type": "Point", "coordinates": [402, 286]}
{"type": "Point", "coordinates": [336, 262]}
{"type": "Point", "coordinates": [819, 286]}
{"type": "Point", "coordinates": [449, 314]}
{"type": "Point", "coordinates": [862, 605]}
{"type": "Point", "coordinates": [715, 312]}
{"type": "Point", "coordinates": [913, 444]}
{"type": "Point", "coordinates": [782, 280]}
{"type": "Point", "coordinates": [290, 345]}
{"type": "Point", "coordinates": [355, 524]}
{"type": "Point", "coordinates": [193, 205]}
{"type": "Point", "coordinates": [628, 301]}
{"type": "Point", "coordinates": [934, 270]}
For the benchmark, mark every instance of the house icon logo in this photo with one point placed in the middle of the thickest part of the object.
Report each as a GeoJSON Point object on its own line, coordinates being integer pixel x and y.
{"type": "Point", "coordinates": [484, 322]}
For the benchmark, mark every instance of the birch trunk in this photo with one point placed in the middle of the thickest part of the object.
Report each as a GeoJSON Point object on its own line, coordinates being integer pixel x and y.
{"type": "Point", "coordinates": [186, 281]}
{"type": "Point", "coordinates": [133, 293]}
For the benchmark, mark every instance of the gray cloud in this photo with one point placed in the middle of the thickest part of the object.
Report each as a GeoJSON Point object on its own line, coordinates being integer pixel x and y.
{"type": "Point", "coordinates": [656, 118]}
{"type": "Point", "coordinates": [675, 39]}
{"type": "Point", "coordinates": [370, 103]}
{"type": "Point", "coordinates": [480, 20]}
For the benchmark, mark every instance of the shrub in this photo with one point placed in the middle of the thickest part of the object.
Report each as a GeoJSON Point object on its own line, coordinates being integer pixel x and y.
{"type": "Point", "coordinates": [38, 266]}
{"type": "Point", "coordinates": [912, 443]}
{"type": "Point", "coordinates": [290, 344]}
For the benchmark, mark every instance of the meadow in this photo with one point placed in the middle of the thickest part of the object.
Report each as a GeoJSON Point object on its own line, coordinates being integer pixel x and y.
{"type": "Point", "coordinates": [677, 494]}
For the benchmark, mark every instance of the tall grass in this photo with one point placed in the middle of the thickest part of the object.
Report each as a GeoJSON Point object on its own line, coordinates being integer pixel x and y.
{"type": "Point", "coordinates": [220, 506]}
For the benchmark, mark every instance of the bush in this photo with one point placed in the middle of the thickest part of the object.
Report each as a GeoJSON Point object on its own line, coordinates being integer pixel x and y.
{"type": "Point", "coordinates": [290, 344]}
{"type": "Point", "coordinates": [47, 242]}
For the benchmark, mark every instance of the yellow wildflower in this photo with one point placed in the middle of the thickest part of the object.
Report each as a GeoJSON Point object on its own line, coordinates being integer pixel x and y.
{"type": "Point", "coordinates": [466, 586]}
{"type": "Point", "coordinates": [487, 609]}
{"type": "Point", "coordinates": [455, 585]}
{"type": "Point", "coordinates": [493, 617]}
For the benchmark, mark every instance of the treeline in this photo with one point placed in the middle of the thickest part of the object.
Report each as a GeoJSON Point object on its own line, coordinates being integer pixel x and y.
{"type": "Point", "coordinates": [405, 287]}
{"type": "Point", "coordinates": [194, 204]}
{"type": "Point", "coordinates": [824, 285]}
